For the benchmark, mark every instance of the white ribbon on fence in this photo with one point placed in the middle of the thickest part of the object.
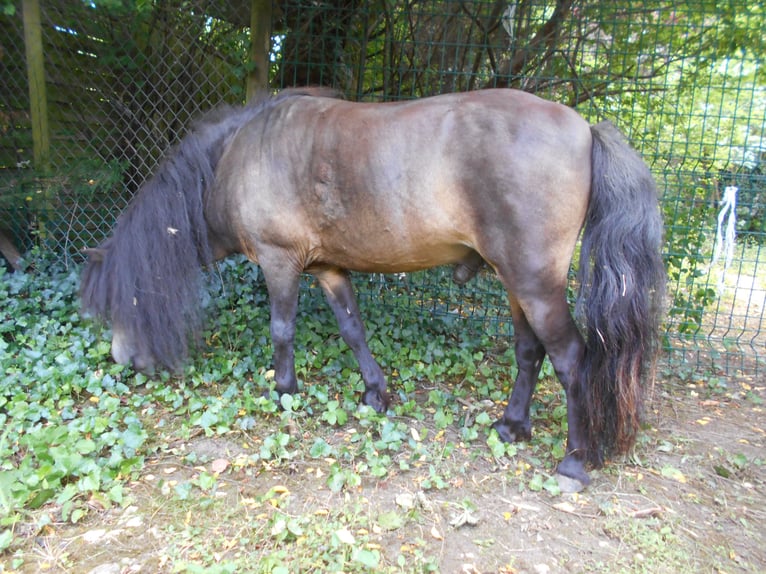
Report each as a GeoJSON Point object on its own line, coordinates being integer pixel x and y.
{"type": "Point", "coordinates": [725, 239]}
{"type": "Point", "coordinates": [508, 19]}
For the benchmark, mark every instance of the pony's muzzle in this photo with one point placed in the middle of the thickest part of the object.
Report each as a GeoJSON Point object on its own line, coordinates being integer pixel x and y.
{"type": "Point", "coordinates": [125, 353]}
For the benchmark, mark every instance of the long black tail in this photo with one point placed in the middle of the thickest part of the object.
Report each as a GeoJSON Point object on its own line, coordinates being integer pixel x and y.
{"type": "Point", "coordinates": [622, 289]}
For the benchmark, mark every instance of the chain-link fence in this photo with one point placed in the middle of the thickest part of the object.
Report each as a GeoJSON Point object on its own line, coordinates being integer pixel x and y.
{"type": "Point", "coordinates": [684, 80]}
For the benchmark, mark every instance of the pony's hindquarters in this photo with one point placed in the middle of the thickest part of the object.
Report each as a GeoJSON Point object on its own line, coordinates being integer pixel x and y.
{"type": "Point", "coordinates": [622, 286]}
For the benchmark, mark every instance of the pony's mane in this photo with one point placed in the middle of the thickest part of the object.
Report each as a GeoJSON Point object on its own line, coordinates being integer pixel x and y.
{"type": "Point", "coordinates": [147, 276]}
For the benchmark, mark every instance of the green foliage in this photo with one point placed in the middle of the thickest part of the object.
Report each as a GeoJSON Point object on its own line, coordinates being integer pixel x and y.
{"type": "Point", "coordinates": [76, 427]}
{"type": "Point", "coordinates": [686, 256]}
{"type": "Point", "coordinates": [70, 435]}
{"type": "Point", "coordinates": [78, 432]}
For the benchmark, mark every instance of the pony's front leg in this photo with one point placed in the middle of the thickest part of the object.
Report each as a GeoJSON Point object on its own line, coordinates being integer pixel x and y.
{"type": "Point", "coordinates": [283, 301]}
{"type": "Point", "coordinates": [340, 295]}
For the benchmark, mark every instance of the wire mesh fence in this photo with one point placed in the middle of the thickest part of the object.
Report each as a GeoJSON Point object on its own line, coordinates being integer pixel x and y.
{"type": "Point", "coordinates": [683, 79]}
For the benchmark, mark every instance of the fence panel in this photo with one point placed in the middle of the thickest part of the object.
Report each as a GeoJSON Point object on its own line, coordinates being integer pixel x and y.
{"type": "Point", "coordinates": [683, 79]}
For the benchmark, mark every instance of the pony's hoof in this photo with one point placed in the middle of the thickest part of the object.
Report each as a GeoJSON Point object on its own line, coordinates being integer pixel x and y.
{"type": "Point", "coordinates": [378, 400]}
{"type": "Point", "coordinates": [571, 475]}
{"type": "Point", "coordinates": [512, 431]}
{"type": "Point", "coordinates": [569, 485]}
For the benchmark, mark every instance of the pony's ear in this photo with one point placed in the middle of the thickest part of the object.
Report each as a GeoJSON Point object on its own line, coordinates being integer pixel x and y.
{"type": "Point", "coordinates": [95, 254]}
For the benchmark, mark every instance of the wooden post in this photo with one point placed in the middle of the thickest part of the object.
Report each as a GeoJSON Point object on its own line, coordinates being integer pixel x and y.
{"type": "Point", "coordinates": [38, 102]}
{"type": "Point", "coordinates": [260, 47]}
{"type": "Point", "coordinates": [38, 108]}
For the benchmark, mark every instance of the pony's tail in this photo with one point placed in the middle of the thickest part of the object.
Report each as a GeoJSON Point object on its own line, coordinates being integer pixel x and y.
{"type": "Point", "coordinates": [622, 285]}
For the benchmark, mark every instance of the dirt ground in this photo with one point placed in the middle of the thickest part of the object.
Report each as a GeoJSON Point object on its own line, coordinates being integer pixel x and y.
{"type": "Point", "coordinates": [693, 499]}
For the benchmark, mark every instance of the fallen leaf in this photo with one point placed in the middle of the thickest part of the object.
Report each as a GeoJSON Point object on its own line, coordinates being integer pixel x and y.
{"type": "Point", "coordinates": [564, 507]}
{"type": "Point", "coordinates": [219, 465]}
{"type": "Point", "coordinates": [436, 534]}
{"type": "Point", "coordinates": [345, 537]}
{"type": "Point", "coordinates": [651, 512]}
{"type": "Point", "coordinates": [424, 502]}
{"type": "Point", "coordinates": [405, 500]}
{"type": "Point", "coordinates": [673, 473]}
{"type": "Point", "coordinates": [722, 471]}
{"type": "Point", "coordinates": [465, 517]}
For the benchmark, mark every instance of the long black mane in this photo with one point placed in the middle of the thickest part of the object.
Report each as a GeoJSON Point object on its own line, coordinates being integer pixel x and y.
{"type": "Point", "coordinates": [146, 277]}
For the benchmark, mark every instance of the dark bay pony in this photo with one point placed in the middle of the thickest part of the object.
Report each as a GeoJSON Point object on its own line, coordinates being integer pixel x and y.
{"type": "Point", "coordinates": [304, 182]}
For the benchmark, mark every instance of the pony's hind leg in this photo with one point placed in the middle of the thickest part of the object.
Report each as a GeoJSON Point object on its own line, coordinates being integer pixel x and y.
{"type": "Point", "coordinates": [340, 295]}
{"type": "Point", "coordinates": [515, 424]}
{"type": "Point", "coordinates": [554, 326]}
{"type": "Point", "coordinates": [545, 320]}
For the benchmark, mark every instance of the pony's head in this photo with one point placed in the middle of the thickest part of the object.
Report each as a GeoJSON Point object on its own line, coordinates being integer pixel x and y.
{"type": "Point", "coordinates": [149, 330]}
{"type": "Point", "coordinates": [145, 279]}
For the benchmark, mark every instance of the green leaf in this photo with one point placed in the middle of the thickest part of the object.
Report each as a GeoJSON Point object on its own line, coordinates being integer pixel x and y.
{"type": "Point", "coordinates": [208, 419]}
{"type": "Point", "coordinates": [740, 460]}
{"type": "Point", "coordinates": [69, 492]}
{"type": "Point", "coordinates": [552, 486]}
{"type": "Point", "coordinates": [536, 483]}
{"type": "Point", "coordinates": [367, 558]}
{"type": "Point", "coordinates": [320, 448]}
{"type": "Point", "coordinates": [76, 515]}
{"type": "Point", "coordinates": [443, 418]}
{"type": "Point", "coordinates": [41, 498]}
{"type": "Point", "coordinates": [206, 481]}
{"type": "Point", "coordinates": [287, 402]}
{"type": "Point", "coordinates": [336, 480]}
{"type": "Point", "coordinates": [722, 471]}
{"type": "Point", "coordinates": [295, 528]}
{"type": "Point", "coordinates": [133, 437]}
{"type": "Point", "coordinates": [116, 493]}
{"type": "Point", "coordinates": [183, 490]}
{"type": "Point", "coordinates": [483, 419]}
{"type": "Point", "coordinates": [390, 520]}
{"type": "Point", "coordinates": [6, 537]}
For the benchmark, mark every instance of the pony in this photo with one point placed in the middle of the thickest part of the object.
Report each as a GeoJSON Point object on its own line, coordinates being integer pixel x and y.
{"type": "Point", "coordinates": [307, 182]}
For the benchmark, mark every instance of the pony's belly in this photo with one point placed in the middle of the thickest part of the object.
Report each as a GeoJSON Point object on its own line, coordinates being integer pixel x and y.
{"type": "Point", "coordinates": [397, 260]}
